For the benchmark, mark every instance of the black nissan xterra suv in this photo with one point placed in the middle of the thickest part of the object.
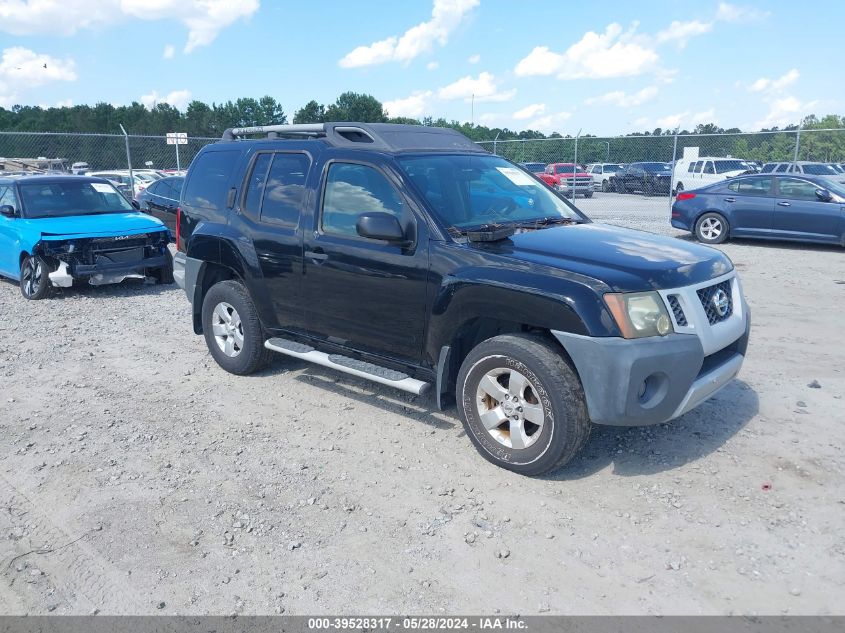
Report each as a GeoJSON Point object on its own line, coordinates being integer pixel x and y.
{"type": "Point", "coordinates": [409, 256]}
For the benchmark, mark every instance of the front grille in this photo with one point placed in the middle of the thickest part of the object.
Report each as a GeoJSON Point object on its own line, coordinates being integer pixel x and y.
{"type": "Point", "coordinates": [707, 295]}
{"type": "Point", "coordinates": [677, 310]}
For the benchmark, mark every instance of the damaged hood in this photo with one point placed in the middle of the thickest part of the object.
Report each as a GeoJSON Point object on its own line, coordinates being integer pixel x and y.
{"type": "Point", "coordinates": [81, 226]}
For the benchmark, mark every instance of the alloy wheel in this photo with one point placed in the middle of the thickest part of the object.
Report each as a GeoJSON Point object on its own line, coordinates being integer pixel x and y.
{"type": "Point", "coordinates": [508, 407]}
{"type": "Point", "coordinates": [227, 329]}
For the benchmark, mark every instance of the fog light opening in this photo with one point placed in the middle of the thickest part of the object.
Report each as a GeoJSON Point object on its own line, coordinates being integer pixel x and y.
{"type": "Point", "coordinates": [653, 390]}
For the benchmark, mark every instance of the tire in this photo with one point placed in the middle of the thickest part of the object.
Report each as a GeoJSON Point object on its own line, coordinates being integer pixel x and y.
{"type": "Point", "coordinates": [712, 228]}
{"type": "Point", "coordinates": [679, 188]}
{"type": "Point", "coordinates": [229, 316]}
{"type": "Point", "coordinates": [34, 280]}
{"type": "Point", "coordinates": [164, 275]}
{"type": "Point", "coordinates": [547, 386]}
{"type": "Point", "coordinates": [605, 186]}
{"type": "Point", "coordinates": [620, 187]}
{"type": "Point", "coordinates": [588, 194]}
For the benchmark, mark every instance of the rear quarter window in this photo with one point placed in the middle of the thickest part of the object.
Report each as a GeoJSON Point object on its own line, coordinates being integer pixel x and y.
{"type": "Point", "coordinates": [211, 173]}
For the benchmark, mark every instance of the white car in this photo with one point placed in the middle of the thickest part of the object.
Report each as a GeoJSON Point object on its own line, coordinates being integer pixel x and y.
{"type": "Point", "coordinates": [705, 170]}
{"type": "Point", "coordinates": [601, 173]}
{"type": "Point", "coordinates": [121, 177]}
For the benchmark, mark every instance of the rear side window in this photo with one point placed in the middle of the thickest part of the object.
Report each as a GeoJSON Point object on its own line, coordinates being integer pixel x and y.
{"type": "Point", "coordinates": [285, 188]}
{"type": "Point", "coordinates": [352, 190]}
{"type": "Point", "coordinates": [759, 186]}
{"type": "Point", "coordinates": [255, 184]}
{"type": "Point", "coordinates": [691, 167]}
{"type": "Point", "coordinates": [767, 169]}
{"type": "Point", "coordinates": [156, 188]}
{"type": "Point", "coordinates": [782, 168]}
{"type": "Point", "coordinates": [708, 167]}
{"type": "Point", "coordinates": [208, 186]}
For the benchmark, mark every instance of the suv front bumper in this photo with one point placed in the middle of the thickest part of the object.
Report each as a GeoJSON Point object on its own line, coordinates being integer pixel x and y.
{"type": "Point", "coordinates": [650, 380]}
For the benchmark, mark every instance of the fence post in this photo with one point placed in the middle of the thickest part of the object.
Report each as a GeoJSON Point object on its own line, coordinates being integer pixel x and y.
{"type": "Point", "coordinates": [672, 179]}
{"type": "Point", "coordinates": [575, 164]}
{"type": "Point", "coordinates": [797, 143]}
{"type": "Point", "coordinates": [128, 160]}
{"type": "Point", "coordinates": [494, 143]}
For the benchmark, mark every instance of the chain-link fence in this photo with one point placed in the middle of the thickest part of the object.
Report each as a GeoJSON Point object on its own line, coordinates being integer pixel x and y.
{"type": "Point", "coordinates": [670, 162]}
{"type": "Point", "coordinates": [43, 152]}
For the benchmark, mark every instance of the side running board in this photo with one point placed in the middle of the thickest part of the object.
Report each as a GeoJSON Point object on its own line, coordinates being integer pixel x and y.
{"type": "Point", "coordinates": [359, 368]}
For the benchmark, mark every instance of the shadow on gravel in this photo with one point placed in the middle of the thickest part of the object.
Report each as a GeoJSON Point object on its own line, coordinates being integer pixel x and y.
{"type": "Point", "coordinates": [652, 449]}
{"type": "Point", "coordinates": [127, 288]}
{"type": "Point", "coordinates": [421, 408]}
{"type": "Point", "coordinates": [772, 244]}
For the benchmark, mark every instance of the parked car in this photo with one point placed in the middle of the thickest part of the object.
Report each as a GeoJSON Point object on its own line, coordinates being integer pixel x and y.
{"type": "Point", "coordinates": [568, 178]}
{"type": "Point", "coordinates": [534, 168]}
{"type": "Point", "coordinates": [602, 173]}
{"type": "Point", "coordinates": [807, 168]}
{"type": "Point", "coordinates": [650, 178]}
{"type": "Point", "coordinates": [55, 230]}
{"type": "Point", "coordinates": [366, 248]}
{"type": "Point", "coordinates": [120, 178]}
{"type": "Point", "coordinates": [161, 199]}
{"type": "Point", "coordinates": [769, 206]}
{"type": "Point", "coordinates": [695, 173]}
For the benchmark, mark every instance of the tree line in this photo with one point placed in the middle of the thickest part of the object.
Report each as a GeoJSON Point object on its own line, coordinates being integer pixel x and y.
{"type": "Point", "coordinates": [201, 120]}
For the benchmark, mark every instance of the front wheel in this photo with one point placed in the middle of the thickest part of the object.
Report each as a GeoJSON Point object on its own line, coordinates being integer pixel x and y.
{"type": "Point", "coordinates": [164, 275]}
{"type": "Point", "coordinates": [605, 186]}
{"type": "Point", "coordinates": [588, 194]}
{"type": "Point", "coordinates": [711, 228]}
{"type": "Point", "coordinates": [233, 332]}
{"type": "Point", "coordinates": [34, 279]}
{"type": "Point", "coordinates": [521, 404]}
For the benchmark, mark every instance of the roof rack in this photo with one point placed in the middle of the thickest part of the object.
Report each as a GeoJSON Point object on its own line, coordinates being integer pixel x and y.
{"type": "Point", "coordinates": [378, 136]}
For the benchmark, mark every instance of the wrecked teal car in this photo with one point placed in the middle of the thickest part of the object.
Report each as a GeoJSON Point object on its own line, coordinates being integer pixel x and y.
{"type": "Point", "coordinates": [60, 229]}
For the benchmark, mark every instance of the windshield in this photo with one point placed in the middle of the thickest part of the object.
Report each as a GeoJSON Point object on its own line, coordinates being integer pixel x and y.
{"type": "Point", "coordinates": [723, 166]}
{"type": "Point", "coordinates": [565, 169]}
{"type": "Point", "coordinates": [612, 168]}
{"type": "Point", "coordinates": [655, 166]}
{"type": "Point", "coordinates": [820, 170]}
{"type": "Point", "coordinates": [834, 187]}
{"type": "Point", "coordinates": [472, 191]}
{"type": "Point", "coordinates": [62, 199]}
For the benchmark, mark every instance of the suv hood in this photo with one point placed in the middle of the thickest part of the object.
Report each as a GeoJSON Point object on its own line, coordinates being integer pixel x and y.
{"type": "Point", "coordinates": [80, 226]}
{"type": "Point", "coordinates": [624, 259]}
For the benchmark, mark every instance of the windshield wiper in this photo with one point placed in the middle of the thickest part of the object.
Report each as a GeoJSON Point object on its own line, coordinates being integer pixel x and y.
{"type": "Point", "coordinates": [486, 232]}
{"type": "Point", "coordinates": [547, 221]}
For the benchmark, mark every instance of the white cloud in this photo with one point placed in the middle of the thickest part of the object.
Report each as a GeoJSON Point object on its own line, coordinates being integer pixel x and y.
{"type": "Point", "coordinates": [785, 111]}
{"type": "Point", "coordinates": [22, 69]}
{"type": "Point", "coordinates": [179, 99]}
{"type": "Point", "coordinates": [671, 121]}
{"type": "Point", "coordinates": [65, 103]}
{"type": "Point", "coordinates": [613, 53]}
{"type": "Point", "coordinates": [686, 119]}
{"type": "Point", "coordinates": [549, 123]}
{"type": "Point", "coordinates": [446, 16]}
{"type": "Point", "coordinates": [775, 85]}
{"type": "Point", "coordinates": [681, 32]}
{"type": "Point", "coordinates": [203, 18]}
{"type": "Point", "coordinates": [533, 110]}
{"type": "Point", "coordinates": [732, 13]}
{"type": "Point", "coordinates": [432, 66]}
{"type": "Point", "coordinates": [624, 100]}
{"type": "Point", "coordinates": [483, 88]}
{"type": "Point", "coordinates": [707, 116]}
{"type": "Point", "coordinates": [474, 59]}
{"type": "Point", "coordinates": [169, 52]}
{"type": "Point", "coordinates": [415, 106]}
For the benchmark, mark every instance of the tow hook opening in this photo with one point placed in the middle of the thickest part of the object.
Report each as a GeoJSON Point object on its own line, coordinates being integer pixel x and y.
{"type": "Point", "coordinates": [652, 390]}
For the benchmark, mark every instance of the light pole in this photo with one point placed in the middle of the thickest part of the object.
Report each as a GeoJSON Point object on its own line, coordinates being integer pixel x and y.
{"type": "Point", "coordinates": [607, 155]}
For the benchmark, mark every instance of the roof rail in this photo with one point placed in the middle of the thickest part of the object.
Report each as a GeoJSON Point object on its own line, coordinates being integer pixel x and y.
{"type": "Point", "coordinates": [377, 136]}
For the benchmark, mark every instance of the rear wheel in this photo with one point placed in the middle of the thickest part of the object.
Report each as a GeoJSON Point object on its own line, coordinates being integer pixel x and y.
{"type": "Point", "coordinates": [620, 187]}
{"type": "Point", "coordinates": [679, 188]}
{"type": "Point", "coordinates": [605, 186]}
{"type": "Point", "coordinates": [34, 279]}
{"type": "Point", "coordinates": [588, 194]}
{"type": "Point", "coordinates": [711, 228]}
{"type": "Point", "coordinates": [233, 332]}
{"type": "Point", "coordinates": [521, 404]}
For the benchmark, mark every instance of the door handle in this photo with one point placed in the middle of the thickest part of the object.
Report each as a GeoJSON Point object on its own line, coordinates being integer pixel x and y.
{"type": "Point", "coordinates": [784, 204]}
{"type": "Point", "coordinates": [316, 256]}
{"type": "Point", "coordinates": [730, 199]}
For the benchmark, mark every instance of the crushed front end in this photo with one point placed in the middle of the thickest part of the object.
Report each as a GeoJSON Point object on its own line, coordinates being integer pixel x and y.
{"type": "Point", "coordinates": [103, 260]}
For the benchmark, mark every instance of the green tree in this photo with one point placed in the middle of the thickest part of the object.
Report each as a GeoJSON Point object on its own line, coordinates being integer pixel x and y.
{"type": "Point", "coordinates": [311, 112]}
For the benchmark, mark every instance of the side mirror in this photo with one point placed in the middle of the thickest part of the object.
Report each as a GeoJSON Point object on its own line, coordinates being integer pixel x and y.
{"type": "Point", "coordinates": [824, 195]}
{"type": "Point", "coordinates": [8, 211]}
{"type": "Point", "coordinates": [380, 226]}
{"type": "Point", "coordinates": [135, 205]}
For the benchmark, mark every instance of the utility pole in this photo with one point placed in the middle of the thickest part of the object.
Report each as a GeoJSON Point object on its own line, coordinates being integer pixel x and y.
{"type": "Point", "coordinates": [128, 160]}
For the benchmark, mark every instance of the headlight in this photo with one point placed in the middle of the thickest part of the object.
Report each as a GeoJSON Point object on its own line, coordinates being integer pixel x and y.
{"type": "Point", "coordinates": [639, 314]}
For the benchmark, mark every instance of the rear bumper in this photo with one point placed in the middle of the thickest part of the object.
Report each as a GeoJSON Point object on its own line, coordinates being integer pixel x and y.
{"type": "Point", "coordinates": [651, 380]}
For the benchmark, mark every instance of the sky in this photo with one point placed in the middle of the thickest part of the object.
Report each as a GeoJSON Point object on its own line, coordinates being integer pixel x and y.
{"type": "Point", "coordinates": [605, 68]}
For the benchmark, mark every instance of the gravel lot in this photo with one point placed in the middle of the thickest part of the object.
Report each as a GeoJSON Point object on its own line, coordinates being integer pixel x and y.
{"type": "Point", "coordinates": [137, 477]}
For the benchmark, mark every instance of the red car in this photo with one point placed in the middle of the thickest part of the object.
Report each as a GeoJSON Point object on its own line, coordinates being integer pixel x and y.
{"type": "Point", "coordinates": [563, 176]}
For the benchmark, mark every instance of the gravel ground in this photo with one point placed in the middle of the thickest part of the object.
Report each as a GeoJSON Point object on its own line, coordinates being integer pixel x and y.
{"type": "Point", "coordinates": [138, 477]}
